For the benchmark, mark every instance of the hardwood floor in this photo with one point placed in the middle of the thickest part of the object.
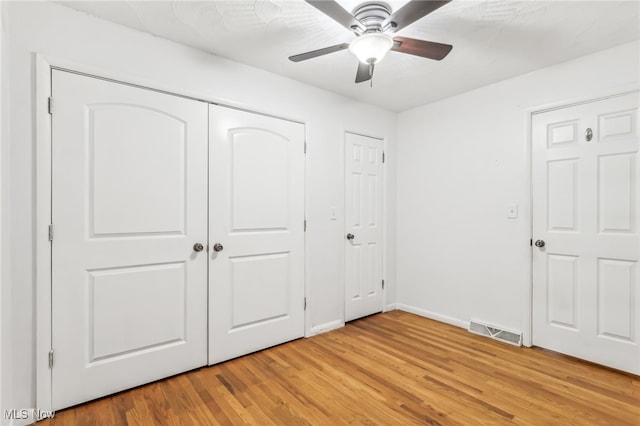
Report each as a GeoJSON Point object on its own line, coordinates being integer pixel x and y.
{"type": "Point", "coordinates": [389, 369]}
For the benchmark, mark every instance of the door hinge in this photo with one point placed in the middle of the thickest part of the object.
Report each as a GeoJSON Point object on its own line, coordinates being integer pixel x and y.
{"type": "Point", "coordinates": [50, 105]}
{"type": "Point", "coordinates": [305, 147]}
{"type": "Point", "coordinates": [383, 284]}
{"type": "Point", "coordinates": [383, 157]}
{"type": "Point", "coordinates": [51, 359]}
{"type": "Point", "coordinates": [531, 242]}
{"type": "Point", "coordinates": [305, 303]}
{"type": "Point", "coordinates": [51, 232]}
{"type": "Point", "coordinates": [305, 225]}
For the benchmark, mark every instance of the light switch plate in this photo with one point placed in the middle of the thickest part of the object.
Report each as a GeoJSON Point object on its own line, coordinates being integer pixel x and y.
{"type": "Point", "coordinates": [333, 215]}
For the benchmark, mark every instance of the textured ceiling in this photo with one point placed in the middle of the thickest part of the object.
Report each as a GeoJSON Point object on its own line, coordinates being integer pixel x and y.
{"type": "Point", "coordinates": [493, 40]}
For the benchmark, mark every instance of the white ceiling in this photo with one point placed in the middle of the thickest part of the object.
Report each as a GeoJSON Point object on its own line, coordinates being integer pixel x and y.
{"type": "Point", "coordinates": [493, 40]}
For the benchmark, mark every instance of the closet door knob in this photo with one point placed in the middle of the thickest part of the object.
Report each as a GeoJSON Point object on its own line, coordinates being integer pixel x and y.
{"type": "Point", "coordinates": [218, 247]}
{"type": "Point", "coordinates": [198, 247]}
{"type": "Point", "coordinates": [350, 237]}
{"type": "Point", "coordinates": [539, 243]}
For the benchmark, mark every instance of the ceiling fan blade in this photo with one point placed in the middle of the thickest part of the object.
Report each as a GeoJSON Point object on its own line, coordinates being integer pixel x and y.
{"type": "Point", "coordinates": [364, 73]}
{"type": "Point", "coordinates": [336, 12]}
{"type": "Point", "coordinates": [426, 49]}
{"type": "Point", "coordinates": [411, 12]}
{"type": "Point", "coordinates": [319, 52]}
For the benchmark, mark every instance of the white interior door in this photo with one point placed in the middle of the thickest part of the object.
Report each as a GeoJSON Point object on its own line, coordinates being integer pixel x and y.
{"type": "Point", "coordinates": [129, 293]}
{"type": "Point", "coordinates": [256, 297]}
{"type": "Point", "coordinates": [585, 196]}
{"type": "Point", "coordinates": [363, 226]}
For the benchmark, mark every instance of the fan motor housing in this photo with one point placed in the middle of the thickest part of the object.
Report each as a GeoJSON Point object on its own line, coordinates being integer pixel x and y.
{"type": "Point", "coordinates": [372, 15]}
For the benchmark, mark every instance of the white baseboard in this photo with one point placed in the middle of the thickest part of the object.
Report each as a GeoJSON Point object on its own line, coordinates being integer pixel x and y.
{"type": "Point", "coordinates": [323, 328]}
{"type": "Point", "coordinates": [432, 315]}
{"type": "Point", "coordinates": [333, 325]}
{"type": "Point", "coordinates": [22, 422]}
{"type": "Point", "coordinates": [390, 307]}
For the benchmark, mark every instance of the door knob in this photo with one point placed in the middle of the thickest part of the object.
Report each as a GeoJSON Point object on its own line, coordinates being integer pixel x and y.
{"type": "Point", "coordinates": [198, 247]}
{"type": "Point", "coordinates": [539, 243]}
{"type": "Point", "coordinates": [218, 247]}
{"type": "Point", "coordinates": [350, 237]}
{"type": "Point", "coordinates": [588, 135]}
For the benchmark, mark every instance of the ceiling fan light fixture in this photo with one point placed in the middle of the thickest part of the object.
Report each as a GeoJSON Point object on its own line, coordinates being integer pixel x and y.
{"type": "Point", "coordinates": [370, 48]}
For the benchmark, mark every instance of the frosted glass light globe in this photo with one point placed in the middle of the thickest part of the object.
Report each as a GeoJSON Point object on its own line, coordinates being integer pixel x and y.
{"type": "Point", "coordinates": [371, 47]}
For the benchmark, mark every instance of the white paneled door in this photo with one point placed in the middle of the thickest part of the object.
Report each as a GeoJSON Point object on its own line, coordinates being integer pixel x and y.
{"type": "Point", "coordinates": [363, 226]}
{"type": "Point", "coordinates": [586, 300]}
{"type": "Point", "coordinates": [256, 232]}
{"type": "Point", "coordinates": [129, 191]}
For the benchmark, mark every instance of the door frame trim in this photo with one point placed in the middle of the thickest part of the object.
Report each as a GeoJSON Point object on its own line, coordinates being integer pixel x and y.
{"type": "Point", "coordinates": [527, 300]}
{"type": "Point", "coordinates": [42, 66]}
{"type": "Point", "coordinates": [343, 193]}
{"type": "Point", "coordinates": [43, 251]}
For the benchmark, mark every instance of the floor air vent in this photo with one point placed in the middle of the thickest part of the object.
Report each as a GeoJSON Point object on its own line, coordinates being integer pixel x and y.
{"type": "Point", "coordinates": [496, 333]}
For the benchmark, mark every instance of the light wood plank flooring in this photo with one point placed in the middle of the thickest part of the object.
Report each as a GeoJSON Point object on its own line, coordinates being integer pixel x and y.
{"type": "Point", "coordinates": [388, 369]}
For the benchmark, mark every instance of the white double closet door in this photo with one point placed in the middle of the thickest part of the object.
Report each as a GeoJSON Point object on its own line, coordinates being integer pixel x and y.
{"type": "Point", "coordinates": [139, 179]}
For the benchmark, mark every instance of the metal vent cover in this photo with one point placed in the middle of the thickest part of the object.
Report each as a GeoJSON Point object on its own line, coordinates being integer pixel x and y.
{"type": "Point", "coordinates": [506, 336]}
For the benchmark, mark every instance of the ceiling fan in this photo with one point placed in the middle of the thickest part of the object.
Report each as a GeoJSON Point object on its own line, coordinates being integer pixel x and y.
{"type": "Point", "coordinates": [372, 22]}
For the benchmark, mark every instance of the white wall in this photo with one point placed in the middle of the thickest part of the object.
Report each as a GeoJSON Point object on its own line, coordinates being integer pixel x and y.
{"type": "Point", "coordinates": [59, 32]}
{"type": "Point", "coordinates": [5, 229]}
{"type": "Point", "coordinates": [3, 307]}
{"type": "Point", "coordinates": [461, 162]}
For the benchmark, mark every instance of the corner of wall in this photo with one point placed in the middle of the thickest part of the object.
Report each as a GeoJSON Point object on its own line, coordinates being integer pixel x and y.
{"type": "Point", "coordinates": [5, 379]}
{"type": "Point", "coordinates": [326, 327]}
{"type": "Point", "coordinates": [2, 281]}
{"type": "Point", "coordinates": [432, 315]}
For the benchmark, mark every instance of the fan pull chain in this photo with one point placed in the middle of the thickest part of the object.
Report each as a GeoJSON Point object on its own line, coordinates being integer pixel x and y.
{"type": "Point", "coordinates": [371, 74]}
